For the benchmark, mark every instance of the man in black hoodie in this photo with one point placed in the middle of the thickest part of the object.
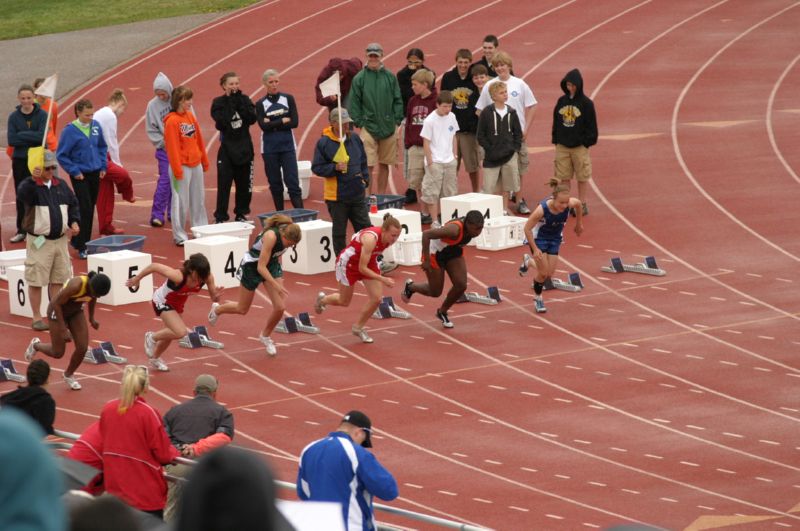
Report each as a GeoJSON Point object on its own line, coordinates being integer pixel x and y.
{"type": "Point", "coordinates": [33, 399]}
{"type": "Point", "coordinates": [574, 132]}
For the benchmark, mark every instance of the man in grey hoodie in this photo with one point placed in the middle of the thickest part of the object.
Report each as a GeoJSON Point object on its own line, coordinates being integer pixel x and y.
{"type": "Point", "coordinates": [157, 109]}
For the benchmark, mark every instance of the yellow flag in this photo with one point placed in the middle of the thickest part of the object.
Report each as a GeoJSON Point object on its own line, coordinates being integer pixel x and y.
{"type": "Point", "coordinates": [341, 154]}
{"type": "Point", "coordinates": [35, 158]}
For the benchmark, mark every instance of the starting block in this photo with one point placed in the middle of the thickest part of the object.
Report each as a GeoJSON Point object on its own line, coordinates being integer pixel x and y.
{"type": "Point", "coordinates": [199, 338]}
{"type": "Point", "coordinates": [492, 296]}
{"type": "Point", "coordinates": [301, 323]}
{"type": "Point", "coordinates": [648, 267]}
{"type": "Point", "coordinates": [105, 353]}
{"type": "Point", "coordinates": [9, 373]}
{"type": "Point", "coordinates": [387, 309]}
{"type": "Point", "coordinates": [573, 283]}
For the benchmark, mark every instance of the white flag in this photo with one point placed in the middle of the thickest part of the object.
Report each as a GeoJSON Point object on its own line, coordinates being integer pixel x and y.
{"type": "Point", "coordinates": [330, 87]}
{"type": "Point", "coordinates": [48, 87]}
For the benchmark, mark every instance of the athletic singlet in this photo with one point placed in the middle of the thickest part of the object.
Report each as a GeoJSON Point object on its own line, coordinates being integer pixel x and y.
{"type": "Point", "coordinates": [354, 249]}
{"type": "Point", "coordinates": [255, 251]}
{"type": "Point", "coordinates": [171, 295]}
{"type": "Point", "coordinates": [82, 295]}
{"type": "Point", "coordinates": [456, 243]}
{"type": "Point", "coordinates": [551, 226]}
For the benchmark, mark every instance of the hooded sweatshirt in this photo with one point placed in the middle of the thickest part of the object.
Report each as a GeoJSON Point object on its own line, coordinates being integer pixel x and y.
{"type": "Point", "coordinates": [348, 68]}
{"type": "Point", "coordinates": [157, 110]}
{"type": "Point", "coordinates": [418, 109]}
{"type": "Point", "coordinates": [82, 149]}
{"type": "Point", "coordinates": [499, 136]}
{"type": "Point", "coordinates": [375, 102]}
{"type": "Point", "coordinates": [183, 142]}
{"type": "Point", "coordinates": [574, 119]}
{"type": "Point", "coordinates": [34, 401]}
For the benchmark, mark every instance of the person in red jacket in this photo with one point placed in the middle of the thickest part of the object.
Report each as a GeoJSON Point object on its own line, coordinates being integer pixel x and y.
{"type": "Point", "coordinates": [88, 449]}
{"type": "Point", "coordinates": [135, 446]}
{"type": "Point", "coordinates": [186, 152]}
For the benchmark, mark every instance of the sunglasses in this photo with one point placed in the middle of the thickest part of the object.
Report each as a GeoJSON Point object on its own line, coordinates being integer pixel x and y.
{"type": "Point", "coordinates": [143, 367]}
{"type": "Point", "coordinates": [51, 168]}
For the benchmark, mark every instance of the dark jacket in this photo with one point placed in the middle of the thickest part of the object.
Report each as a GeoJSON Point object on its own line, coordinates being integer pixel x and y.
{"type": "Point", "coordinates": [26, 130]}
{"type": "Point", "coordinates": [34, 401]}
{"type": "Point", "coordinates": [48, 211]}
{"type": "Point", "coordinates": [341, 185]}
{"type": "Point", "coordinates": [196, 419]}
{"type": "Point", "coordinates": [348, 68]}
{"type": "Point", "coordinates": [404, 81]}
{"type": "Point", "coordinates": [277, 137]}
{"type": "Point", "coordinates": [499, 137]}
{"type": "Point", "coordinates": [574, 119]}
{"type": "Point", "coordinates": [233, 115]}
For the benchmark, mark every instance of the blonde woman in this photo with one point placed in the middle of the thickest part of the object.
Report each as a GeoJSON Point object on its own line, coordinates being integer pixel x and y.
{"type": "Point", "coordinates": [135, 445]}
{"type": "Point", "coordinates": [261, 265]}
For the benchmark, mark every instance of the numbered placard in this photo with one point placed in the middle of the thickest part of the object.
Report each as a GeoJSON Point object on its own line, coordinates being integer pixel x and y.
{"type": "Point", "coordinates": [490, 205]}
{"type": "Point", "coordinates": [314, 254]}
{"type": "Point", "coordinates": [18, 299]}
{"type": "Point", "coordinates": [224, 254]}
{"type": "Point", "coordinates": [119, 266]}
{"type": "Point", "coordinates": [410, 224]}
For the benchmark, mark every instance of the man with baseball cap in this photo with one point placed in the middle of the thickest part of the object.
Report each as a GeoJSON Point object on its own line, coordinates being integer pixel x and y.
{"type": "Point", "coordinates": [377, 108]}
{"type": "Point", "coordinates": [339, 469]}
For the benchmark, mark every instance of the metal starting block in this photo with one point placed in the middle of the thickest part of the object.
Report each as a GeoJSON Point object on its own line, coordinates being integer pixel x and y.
{"type": "Point", "coordinates": [492, 296]}
{"type": "Point", "coordinates": [387, 309]}
{"type": "Point", "coordinates": [648, 267]}
{"type": "Point", "coordinates": [573, 283]}
{"type": "Point", "coordinates": [301, 323]}
{"type": "Point", "coordinates": [105, 353]}
{"type": "Point", "coordinates": [199, 338]}
{"type": "Point", "coordinates": [9, 373]}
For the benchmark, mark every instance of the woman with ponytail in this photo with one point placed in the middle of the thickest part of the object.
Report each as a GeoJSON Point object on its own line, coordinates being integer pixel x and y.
{"type": "Point", "coordinates": [66, 316]}
{"type": "Point", "coordinates": [544, 232]}
{"type": "Point", "coordinates": [169, 300]}
{"type": "Point", "coordinates": [135, 446]}
{"type": "Point", "coordinates": [261, 265]}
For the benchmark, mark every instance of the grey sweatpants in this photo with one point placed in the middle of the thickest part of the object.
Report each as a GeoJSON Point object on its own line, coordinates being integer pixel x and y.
{"type": "Point", "coordinates": [189, 202]}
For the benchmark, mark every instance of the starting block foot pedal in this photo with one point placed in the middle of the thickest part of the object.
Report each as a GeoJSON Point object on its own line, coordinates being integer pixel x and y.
{"type": "Point", "coordinates": [199, 338]}
{"type": "Point", "coordinates": [492, 296]}
{"type": "Point", "coordinates": [387, 309]}
{"type": "Point", "coordinates": [304, 324]}
{"type": "Point", "coordinates": [105, 353]}
{"type": "Point", "coordinates": [573, 283]}
{"type": "Point", "coordinates": [8, 373]}
{"type": "Point", "coordinates": [648, 267]}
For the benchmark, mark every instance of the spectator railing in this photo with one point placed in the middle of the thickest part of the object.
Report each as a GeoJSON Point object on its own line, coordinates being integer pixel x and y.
{"type": "Point", "coordinates": [379, 507]}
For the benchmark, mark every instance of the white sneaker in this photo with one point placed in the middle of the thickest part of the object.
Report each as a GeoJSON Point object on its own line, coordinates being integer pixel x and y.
{"type": "Point", "coordinates": [149, 344]}
{"type": "Point", "coordinates": [30, 352]}
{"type": "Point", "coordinates": [319, 307]}
{"type": "Point", "coordinates": [212, 315]}
{"type": "Point", "coordinates": [269, 344]}
{"type": "Point", "coordinates": [361, 334]}
{"type": "Point", "coordinates": [539, 304]}
{"type": "Point", "coordinates": [158, 364]}
{"type": "Point", "coordinates": [72, 382]}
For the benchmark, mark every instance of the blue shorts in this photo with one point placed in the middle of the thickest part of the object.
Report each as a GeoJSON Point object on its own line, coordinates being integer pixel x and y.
{"type": "Point", "coordinates": [548, 246]}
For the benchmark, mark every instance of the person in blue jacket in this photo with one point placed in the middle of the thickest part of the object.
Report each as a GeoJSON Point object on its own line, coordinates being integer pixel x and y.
{"type": "Point", "coordinates": [339, 469]}
{"type": "Point", "coordinates": [82, 153]}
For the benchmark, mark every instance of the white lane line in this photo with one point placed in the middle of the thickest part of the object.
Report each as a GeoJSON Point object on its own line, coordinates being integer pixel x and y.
{"type": "Point", "coordinates": [481, 500]}
{"type": "Point", "coordinates": [447, 493]}
{"type": "Point", "coordinates": [726, 471]}
{"type": "Point", "coordinates": [630, 491]}
{"type": "Point", "coordinates": [689, 463]}
{"type": "Point", "coordinates": [412, 485]}
{"type": "Point", "coordinates": [729, 434]}
{"type": "Point", "coordinates": [520, 509]}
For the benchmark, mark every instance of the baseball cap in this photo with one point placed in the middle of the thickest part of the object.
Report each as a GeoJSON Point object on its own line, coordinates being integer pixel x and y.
{"type": "Point", "coordinates": [374, 48]}
{"type": "Point", "coordinates": [49, 158]}
{"type": "Point", "coordinates": [334, 116]}
{"type": "Point", "coordinates": [206, 382]}
{"type": "Point", "coordinates": [359, 419]}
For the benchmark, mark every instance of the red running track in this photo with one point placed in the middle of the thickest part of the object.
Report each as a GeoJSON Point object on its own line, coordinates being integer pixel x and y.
{"type": "Point", "coordinates": [666, 401]}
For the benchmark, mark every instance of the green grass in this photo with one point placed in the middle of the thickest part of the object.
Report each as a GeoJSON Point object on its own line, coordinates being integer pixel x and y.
{"type": "Point", "coordinates": [21, 18]}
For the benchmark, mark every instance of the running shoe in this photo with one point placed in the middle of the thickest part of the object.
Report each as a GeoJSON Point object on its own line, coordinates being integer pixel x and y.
{"type": "Point", "coordinates": [158, 364]}
{"type": "Point", "coordinates": [361, 334]}
{"type": "Point", "coordinates": [444, 319]}
{"type": "Point", "coordinates": [407, 293]}
{"type": "Point", "coordinates": [522, 208]}
{"type": "Point", "coordinates": [513, 197]}
{"type": "Point", "coordinates": [212, 315]}
{"type": "Point", "coordinates": [72, 382]}
{"type": "Point", "coordinates": [149, 344]}
{"type": "Point", "coordinates": [539, 303]}
{"type": "Point", "coordinates": [30, 352]}
{"type": "Point", "coordinates": [269, 344]}
{"type": "Point", "coordinates": [386, 266]}
{"type": "Point", "coordinates": [319, 307]}
{"type": "Point", "coordinates": [426, 219]}
{"type": "Point", "coordinates": [585, 208]}
{"type": "Point", "coordinates": [523, 269]}
{"type": "Point", "coordinates": [18, 237]}
{"type": "Point", "coordinates": [155, 222]}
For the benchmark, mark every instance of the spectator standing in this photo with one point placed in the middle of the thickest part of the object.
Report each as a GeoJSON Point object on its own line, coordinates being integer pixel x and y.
{"type": "Point", "coordinates": [157, 109]}
{"type": "Point", "coordinates": [46, 200]}
{"type": "Point", "coordinates": [439, 142]}
{"type": "Point", "coordinates": [82, 152]}
{"type": "Point", "coordinates": [345, 181]}
{"type": "Point", "coordinates": [135, 445]}
{"type": "Point", "coordinates": [347, 68]}
{"type": "Point", "coordinates": [338, 469]}
{"type": "Point", "coordinates": [49, 106]}
{"type": "Point", "coordinates": [377, 108]}
{"type": "Point", "coordinates": [116, 175]}
{"type": "Point", "coordinates": [415, 61]}
{"type": "Point", "coordinates": [195, 427]}
{"type": "Point", "coordinates": [490, 46]}
{"type": "Point", "coordinates": [277, 116]}
{"type": "Point", "coordinates": [480, 75]}
{"type": "Point", "coordinates": [186, 152]}
{"type": "Point", "coordinates": [419, 107]}
{"type": "Point", "coordinates": [233, 114]}
{"type": "Point", "coordinates": [465, 95]}
{"type": "Point", "coordinates": [574, 132]}
{"type": "Point", "coordinates": [521, 98]}
{"type": "Point", "coordinates": [25, 130]}
{"type": "Point", "coordinates": [33, 399]}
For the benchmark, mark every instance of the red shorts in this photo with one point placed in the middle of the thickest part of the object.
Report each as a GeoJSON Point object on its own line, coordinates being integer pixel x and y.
{"type": "Point", "coordinates": [347, 272]}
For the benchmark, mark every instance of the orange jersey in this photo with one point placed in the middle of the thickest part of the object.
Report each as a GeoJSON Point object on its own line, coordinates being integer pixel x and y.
{"type": "Point", "coordinates": [183, 142]}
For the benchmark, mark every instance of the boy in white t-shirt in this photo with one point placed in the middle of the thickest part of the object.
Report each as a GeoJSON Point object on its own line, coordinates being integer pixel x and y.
{"type": "Point", "coordinates": [439, 142]}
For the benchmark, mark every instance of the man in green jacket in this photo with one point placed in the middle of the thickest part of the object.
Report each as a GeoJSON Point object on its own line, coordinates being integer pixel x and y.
{"type": "Point", "coordinates": [377, 108]}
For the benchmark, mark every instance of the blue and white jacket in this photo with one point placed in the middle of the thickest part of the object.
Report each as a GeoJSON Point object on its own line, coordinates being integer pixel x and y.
{"type": "Point", "coordinates": [78, 153]}
{"type": "Point", "coordinates": [335, 469]}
